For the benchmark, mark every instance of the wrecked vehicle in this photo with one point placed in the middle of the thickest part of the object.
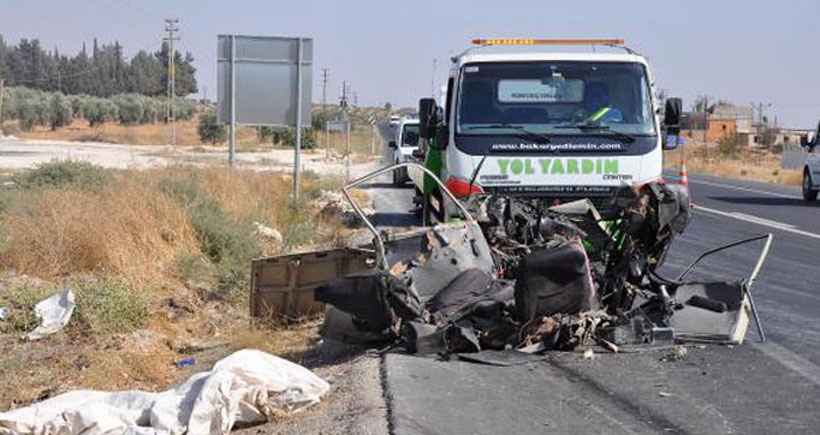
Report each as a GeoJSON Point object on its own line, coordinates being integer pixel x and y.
{"type": "Point", "coordinates": [513, 273]}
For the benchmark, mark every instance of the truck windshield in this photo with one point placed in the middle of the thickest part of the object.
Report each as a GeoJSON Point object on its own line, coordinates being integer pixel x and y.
{"type": "Point", "coordinates": [555, 98]}
{"type": "Point", "coordinates": [410, 135]}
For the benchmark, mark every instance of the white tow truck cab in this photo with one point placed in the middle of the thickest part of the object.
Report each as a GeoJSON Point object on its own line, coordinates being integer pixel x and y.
{"type": "Point", "coordinates": [811, 170]}
{"type": "Point", "coordinates": [557, 126]}
{"type": "Point", "coordinates": [405, 144]}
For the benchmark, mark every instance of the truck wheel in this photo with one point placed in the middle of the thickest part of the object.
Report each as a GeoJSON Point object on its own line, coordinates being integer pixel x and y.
{"type": "Point", "coordinates": [427, 211]}
{"type": "Point", "coordinates": [809, 194]}
{"type": "Point", "coordinates": [397, 180]}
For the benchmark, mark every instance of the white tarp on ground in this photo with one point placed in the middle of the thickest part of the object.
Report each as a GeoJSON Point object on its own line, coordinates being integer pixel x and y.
{"type": "Point", "coordinates": [248, 386]}
{"type": "Point", "coordinates": [54, 314]}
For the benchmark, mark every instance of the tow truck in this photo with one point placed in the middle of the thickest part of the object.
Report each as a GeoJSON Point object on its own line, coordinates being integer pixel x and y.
{"type": "Point", "coordinates": [553, 126]}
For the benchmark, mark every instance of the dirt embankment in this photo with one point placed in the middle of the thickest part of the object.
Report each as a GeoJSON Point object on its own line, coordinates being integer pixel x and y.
{"type": "Point", "coordinates": [159, 262]}
{"type": "Point", "coordinates": [741, 162]}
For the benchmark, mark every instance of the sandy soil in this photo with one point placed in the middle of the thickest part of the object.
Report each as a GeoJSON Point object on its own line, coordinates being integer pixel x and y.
{"type": "Point", "coordinates": [16, 153]}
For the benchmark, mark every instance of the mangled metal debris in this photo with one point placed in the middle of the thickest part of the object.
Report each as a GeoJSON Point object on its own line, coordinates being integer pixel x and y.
{"type": "Point", "coordinates": [514, 273]}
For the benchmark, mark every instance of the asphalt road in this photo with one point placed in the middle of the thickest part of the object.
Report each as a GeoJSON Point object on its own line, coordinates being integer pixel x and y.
{"type": "Point", "coordinates": [771, 387]}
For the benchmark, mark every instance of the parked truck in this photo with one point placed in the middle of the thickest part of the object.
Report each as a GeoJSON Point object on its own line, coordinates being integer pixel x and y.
{"type": "Point", "coordinates": [811, 170]}
{"type": "Point", "coordinates": [556, 126]}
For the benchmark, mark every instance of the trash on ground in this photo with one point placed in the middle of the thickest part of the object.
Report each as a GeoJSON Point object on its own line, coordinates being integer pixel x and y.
{"type": "Point", "coordinates": [185, 362]}
{"type": "Point", "coordinates": [248, 386]}
{"type": "Point", "coordinates": [516, 273]}
{"type": "Point", "coordinates": [54, 313]}
{"type": "Point", "coordinates": [4, 314]}
{"type": "Point", "coordinates": [268, 234]}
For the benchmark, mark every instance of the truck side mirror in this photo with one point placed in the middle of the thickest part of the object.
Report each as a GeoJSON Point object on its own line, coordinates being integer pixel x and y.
{"type": "Point", "coordinates": [427, 118]}
{"type": "Point", "coordinates": [672, 116]}
{"type": "Point", "coordinates": [392, 144]}
{"type": "Point", "coordinates": [804, 141]}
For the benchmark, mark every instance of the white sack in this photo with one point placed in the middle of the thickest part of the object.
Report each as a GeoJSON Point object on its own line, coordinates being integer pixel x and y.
{"type": "Point", "coordinates": [54, 314]}
{"type": "Point", "coordinates": [248, 386]}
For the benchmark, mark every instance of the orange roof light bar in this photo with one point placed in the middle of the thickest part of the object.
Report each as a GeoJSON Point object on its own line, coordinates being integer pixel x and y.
{"type": "Point", "coordinates": [530, 41]}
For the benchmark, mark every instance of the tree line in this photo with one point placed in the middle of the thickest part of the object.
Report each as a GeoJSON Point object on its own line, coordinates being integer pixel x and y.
{"type": "Point", "coordinates": [32, 107]}
{"type": "Point", "coordinates": [102, 73]}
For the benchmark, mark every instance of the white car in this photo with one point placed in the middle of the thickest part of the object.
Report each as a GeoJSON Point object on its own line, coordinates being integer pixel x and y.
{"type": "Point", "coordinates": [811, 171]}
{"type": "Point", "coordinates": [394, 120]}
{"type": "Point", "coordinates": [406, 141]}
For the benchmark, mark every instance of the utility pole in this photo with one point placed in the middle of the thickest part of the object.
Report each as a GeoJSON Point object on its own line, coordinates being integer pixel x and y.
{"type": "Point", "coordinates": [705, 126]}
{"type": "Point", "coordinates": [324, 113]}
{"type": "Point", "coordinates": [343, 104]}
{"type": "Point", "coordinates": [433, 80]}
{"type": "Point", "coordinates": [171, 26]}
{"type": "Point", "coordinates": [2, 89]}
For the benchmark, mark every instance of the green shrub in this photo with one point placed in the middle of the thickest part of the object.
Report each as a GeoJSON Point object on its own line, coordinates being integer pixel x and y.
{"type": "Point", "coordinates": [61, 112]}
{"type": "Point", "coordinates": [298, 234]}
{"type": "Point", "coordinates": [728, 146]}
{"type": "Point", "coordinates": [109, 306]}
{"type": "Point", "coordinates": [185, 109]}
{"type": "Point", "coordinates": [209, 130]}
{"type": "Point", "coordinates": [130, 108]}
{"type": "Point", "coordinates": [228, 244]}
{"type": "Point", "coordinates": [98, 111]}
{"type": "Point", "coordinates": [64, 173]}
{"type": "Point", "coordinates": [287, 136]}
{"type": "Point", "coordinates": [77, 104]}
{"type": "Point", "coordinates": [220, 238]}
{"type": "Point", "coordinates": [26, 107]}
{"type": "Point", "coordinates": [184, 190]}
{"type": "Point", "coordinates": [20, 303]}
{"type": "Point", "coordinates": [192, 267]}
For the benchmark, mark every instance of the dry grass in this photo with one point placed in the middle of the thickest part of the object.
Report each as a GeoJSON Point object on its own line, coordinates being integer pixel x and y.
{"type": "Point", "coordinates": [145, 134]}
{"type": "Point", "coordinates": [749, 164]}
{"type": "Point", "coordinates": [126, 229]}
{"type": "Point", "coordinates": [247, 139]}
{"type": "Point", "coordinates": [360, 142]}
{"type": "Point", "coordinates": [159, 261]}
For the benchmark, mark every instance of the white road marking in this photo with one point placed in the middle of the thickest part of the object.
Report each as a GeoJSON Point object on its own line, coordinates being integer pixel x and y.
{"type": "Point", "coordinates": [740, 188]}
{"type": "Point", "coordinates": [791, 360]}
{"type": "Point", "coordinates": [759, 221]}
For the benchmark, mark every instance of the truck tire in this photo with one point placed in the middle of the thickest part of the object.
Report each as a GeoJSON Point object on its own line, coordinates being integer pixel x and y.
{"type": "Point", "coordinates": [427, 215]}
{"type": "Point", "coordinates": [809, 194]}
{"type": "Point", "coordinates": [398, 181]}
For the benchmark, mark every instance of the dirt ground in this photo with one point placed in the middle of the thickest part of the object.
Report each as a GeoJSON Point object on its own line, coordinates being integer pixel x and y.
{"type": "Point", "coordinates": [16, 153]}
{"type": "Point", "coordinates": [355, 403]}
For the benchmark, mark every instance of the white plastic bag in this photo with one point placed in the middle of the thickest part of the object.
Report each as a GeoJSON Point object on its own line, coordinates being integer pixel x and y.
{"type": "Point", "coordinates": [248, 386]}
{"type": "Point", "coordinates": [54, 314]}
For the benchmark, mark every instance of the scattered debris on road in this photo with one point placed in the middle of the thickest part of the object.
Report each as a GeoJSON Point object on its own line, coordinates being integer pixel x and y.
{"type": "Point", "coordinates": [54, 313]}
{"type": "Point", "coordinates": [514, 273]}
{"type": "Point", "coordinates": [248, 386]}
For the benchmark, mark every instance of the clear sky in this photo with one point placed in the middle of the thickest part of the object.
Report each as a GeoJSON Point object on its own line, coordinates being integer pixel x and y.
{"type": "Point", "coordinates": [743, 51]}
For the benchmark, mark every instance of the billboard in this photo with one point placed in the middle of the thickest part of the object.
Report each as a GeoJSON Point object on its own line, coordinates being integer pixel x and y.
{"type": "Point", "coordinates": [259, 75]}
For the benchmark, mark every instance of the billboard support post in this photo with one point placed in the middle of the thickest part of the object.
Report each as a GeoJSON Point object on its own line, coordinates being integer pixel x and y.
{"type": "Point", "coordinates": [265, 81]}
{"type": "Point", "coordinates": [298, 147]}
{"type": "Point", "coordinates": [232, 142]}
